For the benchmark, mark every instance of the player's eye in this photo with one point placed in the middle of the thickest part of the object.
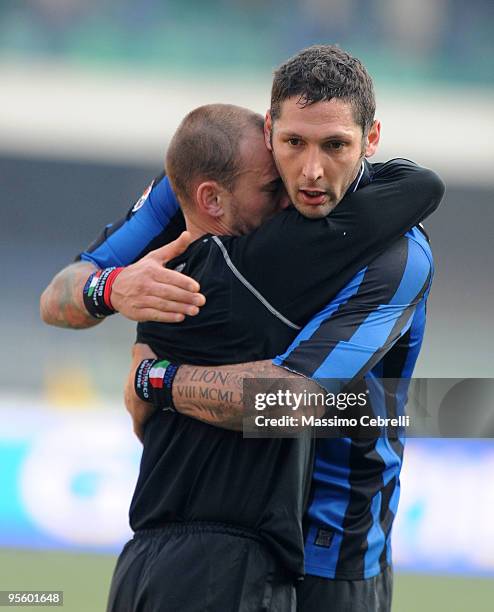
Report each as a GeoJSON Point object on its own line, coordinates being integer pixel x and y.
{"type": "Point", "coordinates": [294, 142]}
{"type": "Point", "coordinates": [335, 145]}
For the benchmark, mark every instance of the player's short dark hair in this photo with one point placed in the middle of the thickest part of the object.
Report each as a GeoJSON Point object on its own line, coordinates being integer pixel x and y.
{"type": "Point", "coordinates": [206, 147]}
{"type": "Point", "coordinates": [321, 73]}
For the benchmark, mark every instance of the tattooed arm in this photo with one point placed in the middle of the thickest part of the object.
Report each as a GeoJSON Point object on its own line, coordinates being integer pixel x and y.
{"type": "Point", "coordinates": [214, 394]}
{"type": "Point", "coordinates": [61, 303]}
{"type": "Point", "coordinates": [143, 291]}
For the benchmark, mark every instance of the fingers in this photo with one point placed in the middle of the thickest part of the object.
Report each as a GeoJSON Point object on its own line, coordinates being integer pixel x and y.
{"type": "Point", "coordinates": [147, 291]}
{"type": "Point", "coordinates": [173, 307]}
{"type": "Point", "coordinates": [172, 249]}
{"type": "Point", "coordinates": [175, 294]}
{"type": "Point", "coordinates": [181, 244]}
{"type": "Point", "coordinates": [159, 310]}
{"type": "Point", "coordinates": [158, 316]}
{"type": "Point", "coordinates": [171, 277]}
{"type": "Point", "coordinates": [151, 289]}
{"type": "Point", "coordinates": [166, 306]}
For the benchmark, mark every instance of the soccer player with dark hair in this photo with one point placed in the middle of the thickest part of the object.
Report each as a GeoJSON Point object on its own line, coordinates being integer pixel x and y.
{"type": "Point", "coordinates": [208, 500]}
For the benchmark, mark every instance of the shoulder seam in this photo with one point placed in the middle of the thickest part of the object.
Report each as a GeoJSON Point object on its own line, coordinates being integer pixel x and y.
{"type": "Point", "coordinates": [250, 287]}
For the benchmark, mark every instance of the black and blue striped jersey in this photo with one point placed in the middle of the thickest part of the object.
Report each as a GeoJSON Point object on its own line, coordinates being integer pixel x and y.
{"type": "Point", "coordinates": [373, 328]}
{"type": "Point", "coordinates": [261, 290]}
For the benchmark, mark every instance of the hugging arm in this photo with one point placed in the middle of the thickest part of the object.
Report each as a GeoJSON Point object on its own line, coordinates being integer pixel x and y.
{"type": "Point", "coordinates": [220, 400]}
{"type": "Point", "coordinates": [145, 289]}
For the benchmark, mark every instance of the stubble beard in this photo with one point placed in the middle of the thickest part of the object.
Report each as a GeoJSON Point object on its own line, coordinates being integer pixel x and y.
{"type": "Point", "coordinates": [319, 212]}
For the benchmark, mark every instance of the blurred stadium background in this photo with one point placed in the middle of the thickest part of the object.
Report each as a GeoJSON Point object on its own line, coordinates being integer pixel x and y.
{"type": "Point", "coordinates": [91, 93]}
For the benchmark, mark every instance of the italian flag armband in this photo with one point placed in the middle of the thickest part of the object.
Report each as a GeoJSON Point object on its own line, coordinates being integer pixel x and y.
{"type": "Point", "coordinates": [97, 292]}
{"type": "Point", "coordinates": [153, 382]}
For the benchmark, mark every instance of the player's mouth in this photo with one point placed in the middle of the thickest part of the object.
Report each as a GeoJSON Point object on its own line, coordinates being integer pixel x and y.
{"type": "Point", "coordinates": [312, 197]}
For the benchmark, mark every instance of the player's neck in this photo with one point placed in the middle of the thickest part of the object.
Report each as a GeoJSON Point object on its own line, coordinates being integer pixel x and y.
{"type": "Point", "coordinates": [200, 226]}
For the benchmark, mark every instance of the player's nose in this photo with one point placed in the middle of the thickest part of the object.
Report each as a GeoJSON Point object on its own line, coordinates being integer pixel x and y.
{"type": "Point", "coordinates": [312, 169]}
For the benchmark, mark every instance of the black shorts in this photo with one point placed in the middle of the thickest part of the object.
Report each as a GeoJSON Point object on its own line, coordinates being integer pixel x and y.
{"type": "Point", "coordinates": [317, 594]}
{"type": "Point", "coordinates": [199, 567]}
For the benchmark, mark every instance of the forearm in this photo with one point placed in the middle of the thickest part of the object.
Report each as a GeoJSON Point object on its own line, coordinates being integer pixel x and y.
{"type": "Point", "coordinates": [62, 303]}
{"type": "Point", "coordinates": [214, 395]}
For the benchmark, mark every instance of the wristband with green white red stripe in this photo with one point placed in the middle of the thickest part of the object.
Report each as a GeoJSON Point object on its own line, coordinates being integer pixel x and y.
{"type": "Point", "coordinates": [153, 382]}
{"type": "Point", "coordinates": [97, 292]}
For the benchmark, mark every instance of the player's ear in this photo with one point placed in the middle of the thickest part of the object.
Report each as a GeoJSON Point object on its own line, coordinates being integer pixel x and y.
{"type": "Point", "coordinates": [209, 198]}
{"type": "Point", "coordinates": [268, 127]}
{"type": "Point", "coordinates": [372, 139]}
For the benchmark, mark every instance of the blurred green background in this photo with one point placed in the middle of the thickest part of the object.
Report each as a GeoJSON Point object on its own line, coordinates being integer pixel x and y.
{"type": "Point", "coordinates": [443, 40]}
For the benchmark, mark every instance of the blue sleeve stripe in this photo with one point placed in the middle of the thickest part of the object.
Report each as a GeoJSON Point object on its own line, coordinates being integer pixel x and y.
{"type": "Point", "coordinates": [129, 240]}
{"type": "Point", "coordinates": [163, 201]}
{"type": "Point", "coordinates": [104, 259]}
{"type": "Point", "coordinates": [124, 245]}
{"type": "Point", "coordinates": [315, 323]}
{"type": "Point", "coordinates": [417, 271]}
{"type": "Point", "coordinates": [346, 319]}
{"type": "Point", "coordinates": [348, 357]}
